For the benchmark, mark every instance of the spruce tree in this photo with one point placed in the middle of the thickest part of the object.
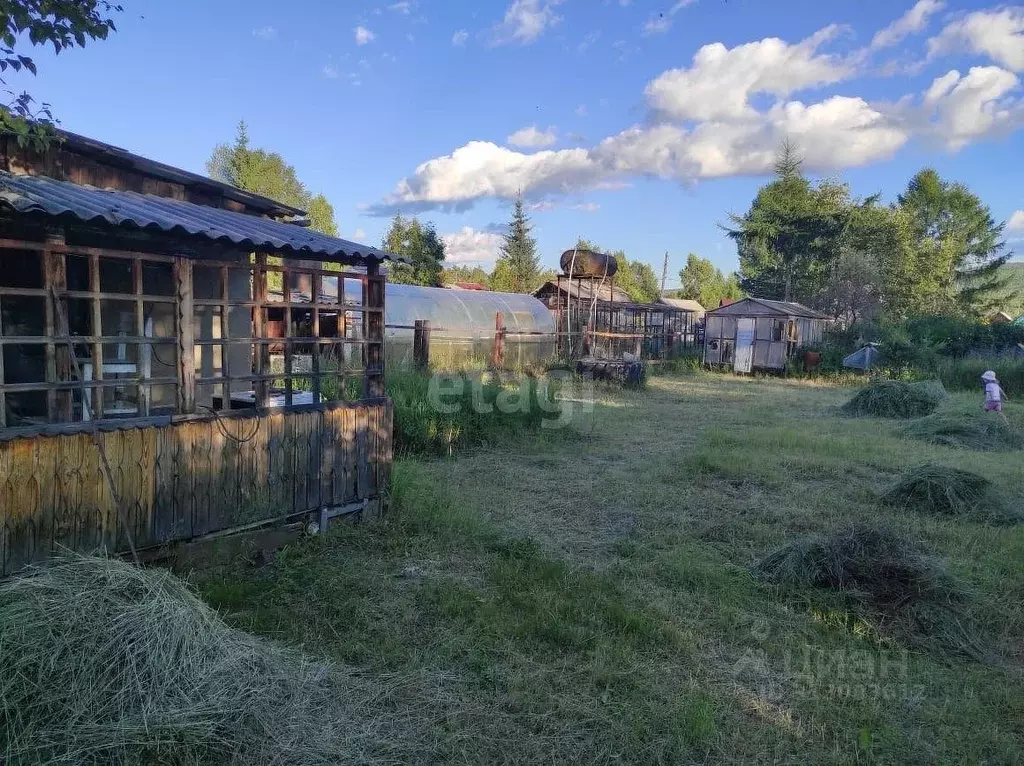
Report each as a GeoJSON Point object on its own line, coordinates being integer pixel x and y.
{"type": "Point", "coordinates": [518, 267]}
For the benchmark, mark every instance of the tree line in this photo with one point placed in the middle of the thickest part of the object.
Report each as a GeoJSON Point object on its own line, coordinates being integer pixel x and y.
{"type": "Point", "coordinates": [935, 251]}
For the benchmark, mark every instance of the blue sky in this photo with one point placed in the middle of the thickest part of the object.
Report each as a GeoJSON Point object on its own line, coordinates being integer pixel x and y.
{"type": "Point", "coordinates": [651, 121]}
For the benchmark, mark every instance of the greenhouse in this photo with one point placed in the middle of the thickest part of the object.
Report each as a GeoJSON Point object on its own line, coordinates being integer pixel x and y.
{"type": "Point", "coordinates": [464, 323]}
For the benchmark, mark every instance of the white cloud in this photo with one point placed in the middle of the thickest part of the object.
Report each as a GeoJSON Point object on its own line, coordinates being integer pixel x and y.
{"type": "Point", "coordinates": [471, 246]}
{"type": "Point", "coordinates": [836, 133]}
{"type": "Point", "coordinates": [404, 7]}
{"type": "Point", "coordinates": [526, 20]}
{"type": "Point", "coordinates": [587, 207]}
{"type": "Point", "coordinates": [1015, 225]}
{"type": "Point", "coordinates": [581, 110]}
{"type": "Point", "coordinates": [460, 37]}
{"type": "Point", "coordinates": [661, 23]}
{"type": "Point", "coordinates": [960, 109]}
{"type": "Point", "coordinates": [914, 20]}
{"type": "Point", "coordinates": [265, 33]}
{"type": "Point", "coordinates": [721, 80]}
{"type": "Point", "coordinates": [532, 138]}
{"type": "Point", "coordinates": [330, 72]}
{"type": "Point", "coordinates": [998, 34]}
{"type": "Point", "coordinates": [657, 25]}
{"type": "Point", "coordinates": [359, 235]}
{"type": "Point", "coordinates": [703, 123]}
{"type": "Point", "coordinates": [588, 40]}
{"type": "Point", "coordinates": [364, 35]}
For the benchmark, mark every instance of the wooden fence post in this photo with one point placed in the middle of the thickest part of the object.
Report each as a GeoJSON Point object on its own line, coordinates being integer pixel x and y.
{"type": "Point", "coordinates": [421, 344]}
{"type": "Point", "coordinates": [498, 353]}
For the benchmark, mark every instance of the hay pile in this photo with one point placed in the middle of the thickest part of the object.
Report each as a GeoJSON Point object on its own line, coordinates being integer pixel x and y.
{"type": "Point", "coordinates": [103, 662]}
{"type": "Point", "coordinates": [944, 491]}
{"type": "Point", "coordinates": [896, 399]}
{"type": "Point", "coordinates": [896, 583]}
{"type": "Point", "coordinates": [871, 562]}
{"type": "Point", "coordinates": [976, 430]}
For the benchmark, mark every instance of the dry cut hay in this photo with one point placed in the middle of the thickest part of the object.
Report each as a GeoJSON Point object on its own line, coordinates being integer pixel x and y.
{"type": "Point", "coordinates": [896, 582]}
{"type": "Point", "coordinates": [107, 663]}
{"type": "Point", "coordinates": [944, 491]}
{"type": "Point", "coordinates": [976, 430]}
{"type": "Point", "coordinates": [896, 399]}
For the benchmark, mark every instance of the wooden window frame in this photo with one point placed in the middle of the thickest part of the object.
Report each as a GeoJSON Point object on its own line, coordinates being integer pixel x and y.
{"type": "Point", "coordinates": [61, 381]}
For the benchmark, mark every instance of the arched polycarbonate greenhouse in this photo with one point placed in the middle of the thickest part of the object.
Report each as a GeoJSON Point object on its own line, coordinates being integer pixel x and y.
{"type": "Point", "coordinates": [463, 324]}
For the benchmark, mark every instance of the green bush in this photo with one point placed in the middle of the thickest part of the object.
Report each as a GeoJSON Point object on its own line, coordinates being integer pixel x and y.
{"type": "Point", "coordinates": [476, 409]}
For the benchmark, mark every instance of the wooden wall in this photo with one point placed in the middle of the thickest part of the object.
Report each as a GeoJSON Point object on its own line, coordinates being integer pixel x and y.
{"type": "Point", "coordinates": [185, 480]}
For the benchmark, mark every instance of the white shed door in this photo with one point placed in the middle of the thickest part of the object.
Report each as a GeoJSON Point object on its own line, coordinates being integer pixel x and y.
{"type": "Point", "coordinates": [744, 345]}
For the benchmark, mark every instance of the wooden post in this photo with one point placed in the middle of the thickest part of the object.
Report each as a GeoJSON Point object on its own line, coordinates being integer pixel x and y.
{"type": "Point", "coordinates": [498, 353]}
{"type": "Point", "coordinates": [96, 394]}
{"type": "Point", "coordinates": [421, 344]}
{"type": "Point", "coordinates": [286, 289]}
{"type": "Point", "coordinates": [262, 360]}
{"type": "Point", "coordinates": [315, 332]}
{"type": "Point", "coordinates": [3, 394]}
{"type": "Point", "coordinates": [186, 336]}
{"type": "Point", "coordinates": [225, 335]}
{"type": "Point", "coordinates": [58, 352]}
{"type": "Point", "coordinates": [373, 323]}
{"type": "Point", "coordinates": [143, 371]}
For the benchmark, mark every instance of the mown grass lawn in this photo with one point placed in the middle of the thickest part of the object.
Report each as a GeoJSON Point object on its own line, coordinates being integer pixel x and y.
{"type": "Point", "coordinates": [588, 598]}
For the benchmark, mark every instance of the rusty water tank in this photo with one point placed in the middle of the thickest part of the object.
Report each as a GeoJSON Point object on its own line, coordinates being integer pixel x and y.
{"type": "Point", "coordinates": [587, 263]}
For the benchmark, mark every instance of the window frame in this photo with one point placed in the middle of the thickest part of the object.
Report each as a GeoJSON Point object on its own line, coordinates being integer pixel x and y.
{"type": "Point", "coordinates": [73, 392]}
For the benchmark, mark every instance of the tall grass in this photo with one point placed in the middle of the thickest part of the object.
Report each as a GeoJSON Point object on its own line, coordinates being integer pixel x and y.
{"type": "Point", "coordinates": [438, 415]}
{"type": "Point", "coordinates": [965, 374]}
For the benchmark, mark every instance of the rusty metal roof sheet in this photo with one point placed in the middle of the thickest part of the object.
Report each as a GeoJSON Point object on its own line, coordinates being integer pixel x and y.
{"type": "Point", "coordinates": [46, 196]}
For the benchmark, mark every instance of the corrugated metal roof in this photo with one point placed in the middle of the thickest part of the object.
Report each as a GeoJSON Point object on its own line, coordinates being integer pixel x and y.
{"type": "Point", "coordinates": [786, 308]}
{"type": "Point", "coordinates": [46, 196]}
{"type": "Point", "coordinates": [585, 290]}
{"type": "Point", "coordinates": [683, 303]}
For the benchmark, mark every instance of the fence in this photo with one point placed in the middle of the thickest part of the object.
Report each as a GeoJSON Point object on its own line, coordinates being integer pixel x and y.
{"type": "Point", "coordinates": [188, 479]}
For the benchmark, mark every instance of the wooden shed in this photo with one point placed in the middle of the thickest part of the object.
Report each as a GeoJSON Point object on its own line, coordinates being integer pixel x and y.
{"type": "Point", "coordinates": [145, 397]}
{"type": "Point", "coordinates": [754, 333]}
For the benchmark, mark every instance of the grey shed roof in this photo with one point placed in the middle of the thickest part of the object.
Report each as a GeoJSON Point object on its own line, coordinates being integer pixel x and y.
{"type": "Point", "coordinates": [46, 196]}
{"type": "Point", "coordinates": [786, 308]}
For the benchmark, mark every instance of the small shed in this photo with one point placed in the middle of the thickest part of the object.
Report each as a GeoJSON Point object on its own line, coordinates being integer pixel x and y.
{"type": "Point", "coordinates": [146, 395]}
{"type": "Point", "coordinates": [754, 333]}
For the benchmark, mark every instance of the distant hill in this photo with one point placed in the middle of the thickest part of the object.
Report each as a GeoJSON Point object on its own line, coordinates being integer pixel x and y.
{"type": "Point", "coordinates": [1015, 305]}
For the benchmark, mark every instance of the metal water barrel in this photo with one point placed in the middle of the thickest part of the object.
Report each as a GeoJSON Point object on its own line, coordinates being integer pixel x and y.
{"type": "Point", "coordinates": [587, 263]}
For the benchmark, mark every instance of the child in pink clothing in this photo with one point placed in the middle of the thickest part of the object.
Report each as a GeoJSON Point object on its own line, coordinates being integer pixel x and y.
{"type": "Point", "coordinates": [994, 394]}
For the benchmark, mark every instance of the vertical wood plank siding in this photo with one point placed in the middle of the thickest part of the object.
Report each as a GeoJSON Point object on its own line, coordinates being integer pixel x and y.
{"type": "Point", "coordinates": [184, 480]}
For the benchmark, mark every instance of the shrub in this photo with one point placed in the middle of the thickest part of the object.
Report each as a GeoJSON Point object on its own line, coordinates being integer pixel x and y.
{"type": "Point", "coordinates": [105, 663]}
{"type": "Point", "coordinates": [977, 431]}
{"type": "Point", "coordinates": [896, 399]}
{"type": "Point", "coordinates": [944, 491]}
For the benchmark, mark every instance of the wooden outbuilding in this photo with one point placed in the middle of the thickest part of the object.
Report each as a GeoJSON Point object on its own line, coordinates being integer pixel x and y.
{"type": "Point", "coordinates": [758, 334]}
{"type": "Point", "coordinates": [160, 378]}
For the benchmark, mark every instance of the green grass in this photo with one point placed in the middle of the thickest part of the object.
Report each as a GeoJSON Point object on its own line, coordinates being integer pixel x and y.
{"type": "Point", "coordinates": [591, 600]}
{"type": "Point", "coordinates": [441, 413]}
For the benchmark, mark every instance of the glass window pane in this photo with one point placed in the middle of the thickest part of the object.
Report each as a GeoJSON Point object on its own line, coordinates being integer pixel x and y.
{"type": "Point", "coordinates": [23, 315]}
{"type": "Point", "coordinates": [158, 278]}
{"type": "Point", "coordinates": [116, 276]}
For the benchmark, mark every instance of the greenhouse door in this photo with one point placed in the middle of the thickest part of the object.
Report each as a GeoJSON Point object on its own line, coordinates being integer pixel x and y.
{"type": "Point", "coordinates": [744, 345]}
